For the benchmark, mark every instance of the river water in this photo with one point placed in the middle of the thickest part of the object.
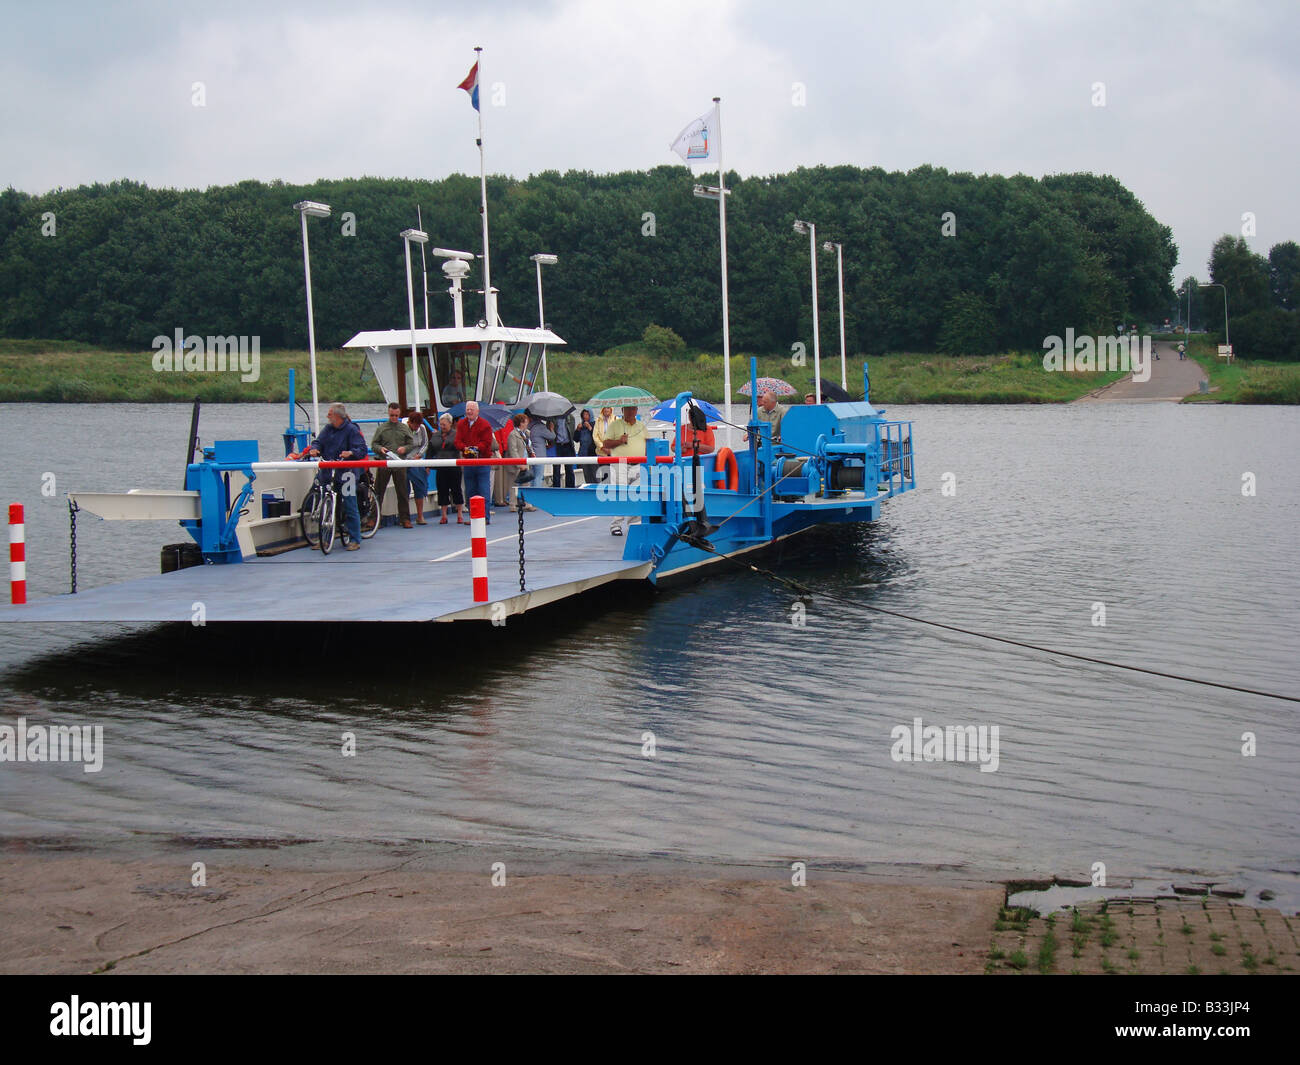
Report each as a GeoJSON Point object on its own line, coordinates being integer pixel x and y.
{"type": "Point", "coordinates": [771, 727]}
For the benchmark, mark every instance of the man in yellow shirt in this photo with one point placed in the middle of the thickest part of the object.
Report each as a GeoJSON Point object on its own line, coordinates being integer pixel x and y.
{"type": "Point", "coordinates": [624, 438]}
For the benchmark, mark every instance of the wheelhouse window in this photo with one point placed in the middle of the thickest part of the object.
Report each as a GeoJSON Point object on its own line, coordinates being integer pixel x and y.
{"type": "Point", "coordinates": [406, 370]}
{"type": "Point", "coordinates": [456, 367]}
{"type": "Point", "coordinates": [533, 367]}
{"type": "Point", "coordinates": [506, 363]}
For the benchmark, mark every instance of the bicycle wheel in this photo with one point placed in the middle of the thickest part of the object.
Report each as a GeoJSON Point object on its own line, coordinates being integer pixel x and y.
{"type": "Point", "coordinates": [368, 505]}
{"type": "Point", "coordinates": [309, 515]}
{"type": "Point", "coordinates": [327, 521]}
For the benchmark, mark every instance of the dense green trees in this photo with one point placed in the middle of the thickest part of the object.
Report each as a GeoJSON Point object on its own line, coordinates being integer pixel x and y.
{"type": "Point", "coordinates": [931, 259]}
{"type": "Point", "coordinates": [1263, 297]}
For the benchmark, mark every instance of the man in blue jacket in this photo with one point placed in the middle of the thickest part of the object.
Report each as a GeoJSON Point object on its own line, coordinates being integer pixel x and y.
{"type": "Point", "coordinates": [342, 439]}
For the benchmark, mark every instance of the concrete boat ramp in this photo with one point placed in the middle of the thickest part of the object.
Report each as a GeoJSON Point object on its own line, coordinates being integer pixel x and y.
{"type": "Point", "coordinates": [400, 575]}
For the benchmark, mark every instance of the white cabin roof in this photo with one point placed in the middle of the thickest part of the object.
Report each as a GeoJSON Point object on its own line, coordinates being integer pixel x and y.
{"type": "Point", "coordinates": [401, 338]}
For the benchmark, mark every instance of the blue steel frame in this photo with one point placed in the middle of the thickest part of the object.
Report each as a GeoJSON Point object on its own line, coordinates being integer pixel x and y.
{"type": "Point", "coordinates": [831, 436]}
{"type": "Point", "coordinates": [766, 506]}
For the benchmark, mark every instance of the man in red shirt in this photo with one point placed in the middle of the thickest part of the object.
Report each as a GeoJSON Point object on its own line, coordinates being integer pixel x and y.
{"type": "Point", "coordinates": [474, 440]}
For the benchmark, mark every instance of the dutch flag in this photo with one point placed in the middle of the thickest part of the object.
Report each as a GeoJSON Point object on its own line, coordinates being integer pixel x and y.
{"type": "Point", "coordinates": [470, 84]}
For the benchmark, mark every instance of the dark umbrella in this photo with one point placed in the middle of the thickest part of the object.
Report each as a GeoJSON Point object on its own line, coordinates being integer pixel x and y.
{"type": "Point", "coordinates": [831, 391]}
{"type": "Point", "coordinates": [547, 405]}
{"type": "Point", "coordinates": [494, 414]}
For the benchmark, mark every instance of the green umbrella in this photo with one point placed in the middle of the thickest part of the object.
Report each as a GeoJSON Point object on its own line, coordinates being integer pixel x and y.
{"type": "Point", "coordinates": [622, 396]}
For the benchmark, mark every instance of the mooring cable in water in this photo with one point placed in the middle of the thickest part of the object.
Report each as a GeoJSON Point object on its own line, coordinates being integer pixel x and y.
{"type": "Point", "coordinates": [805, 592]}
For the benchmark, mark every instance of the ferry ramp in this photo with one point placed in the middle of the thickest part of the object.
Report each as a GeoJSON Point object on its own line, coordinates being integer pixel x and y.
{"type": "Point", "coordinates": [400, 575]}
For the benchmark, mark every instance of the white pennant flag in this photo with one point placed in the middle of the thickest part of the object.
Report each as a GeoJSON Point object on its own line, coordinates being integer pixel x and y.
{"type": "Point", "coordinates": [700, 141]}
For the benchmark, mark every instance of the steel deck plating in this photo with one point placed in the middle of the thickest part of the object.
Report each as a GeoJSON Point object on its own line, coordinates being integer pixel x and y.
{"type": "Point", "coordinates": [400, 575]}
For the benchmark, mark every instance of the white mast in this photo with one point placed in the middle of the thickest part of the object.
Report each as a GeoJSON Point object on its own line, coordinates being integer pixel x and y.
{"type": "Point", "coordinates": [489, 304]}
{"type": "Point", "coordinates": [424, 265]}
{"type": "Point", "coordinates": [722, 234]}
{"type": "Point", "coordinates": [683, 147]}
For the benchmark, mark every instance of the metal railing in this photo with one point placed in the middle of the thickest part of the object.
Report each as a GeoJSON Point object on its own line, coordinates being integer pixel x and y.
{"type": "Point", "coordinates": [894, 446]}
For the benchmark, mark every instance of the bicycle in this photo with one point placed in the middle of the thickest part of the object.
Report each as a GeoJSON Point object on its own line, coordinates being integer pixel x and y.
{"type": "Point", "coordinates": [322, 518]}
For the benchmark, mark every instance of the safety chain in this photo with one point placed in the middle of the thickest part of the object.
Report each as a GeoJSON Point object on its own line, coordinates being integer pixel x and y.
{"type": "Point", "coordinates": [519, 505]}
{"type": "Point", "coordinates": [72, 540]}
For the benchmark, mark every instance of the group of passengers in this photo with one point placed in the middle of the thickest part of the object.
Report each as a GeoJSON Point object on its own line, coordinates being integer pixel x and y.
{"type": "Point", "coordinates": [410, 436]}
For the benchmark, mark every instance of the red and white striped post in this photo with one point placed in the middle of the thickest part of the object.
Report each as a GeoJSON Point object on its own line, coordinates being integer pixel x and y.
{"type": "Point", "coordinates": [17, 555]}
{"type": "Point", "coordinates": [478, 547]}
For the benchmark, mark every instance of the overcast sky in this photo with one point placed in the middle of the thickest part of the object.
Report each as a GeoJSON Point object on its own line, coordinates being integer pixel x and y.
{"type": "Point", "coordinates": [1198, 116]}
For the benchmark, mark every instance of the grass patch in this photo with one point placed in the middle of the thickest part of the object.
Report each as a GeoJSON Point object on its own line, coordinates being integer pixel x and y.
{"type": "Point", "coordinates": [1008, 378]}
{"type": "Point", "coordinates": [1218, 950]}
{"type": "Point", "coordinates": [1018, 960]}
{"type": "Point", "coordinates": [64, 372]}
{"type": "Point", "coordinates": [1108, 934]}
{"type": "Point", "coordinates": [37, 371]}
{"type": "Point", "coordinates": [1244, 380]}
{"type": "Point", "coordinates": [1046, 960]}
{"type": "Point", "coordinates": [1013, 919]}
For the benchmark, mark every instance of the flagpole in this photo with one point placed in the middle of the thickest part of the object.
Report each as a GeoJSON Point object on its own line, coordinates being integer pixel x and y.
{"type": "Point", "coordinates": [489, 305]}
{"type": "Point", "coordinates": [424, 265]}
{"type": "Point", "coordinates": [722, 239]}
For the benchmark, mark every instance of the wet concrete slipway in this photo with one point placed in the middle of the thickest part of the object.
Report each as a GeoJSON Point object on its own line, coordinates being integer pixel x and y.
{"type": "Point", "coordinates": [721, 730]}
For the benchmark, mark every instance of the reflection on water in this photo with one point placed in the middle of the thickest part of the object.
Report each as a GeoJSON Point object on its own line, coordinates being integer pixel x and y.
{"type": "Point", "coordinates": [770, 720]}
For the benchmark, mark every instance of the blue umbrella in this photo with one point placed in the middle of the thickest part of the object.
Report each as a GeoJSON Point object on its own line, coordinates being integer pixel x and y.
{"type": "Point", "coordinates": [495, 414]}
{"type": "Point", "coordinates": [667, 411]}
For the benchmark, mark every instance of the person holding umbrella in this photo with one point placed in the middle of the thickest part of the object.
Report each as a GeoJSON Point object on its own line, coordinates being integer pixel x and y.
{"type": "Point", "coordinates": [563, 450]}
{"type": "Point", "coordinates": [551, 431]}
{"type": "Point", "coordinates": [690, 436]}
{"type": "Point", "coordinates": [771, 412]}
{"type": "Point", "coordinates": [625, 438]}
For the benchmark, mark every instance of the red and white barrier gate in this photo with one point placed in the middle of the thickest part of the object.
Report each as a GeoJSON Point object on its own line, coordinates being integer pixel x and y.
{"type": "Point", "coordinates": [478, 547]}
{"type": "Point", "coordinates": [17, 555]}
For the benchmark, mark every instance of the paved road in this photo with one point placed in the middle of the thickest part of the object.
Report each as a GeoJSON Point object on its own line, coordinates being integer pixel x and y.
{"type": "Point", "coordinates": [1170, 381]}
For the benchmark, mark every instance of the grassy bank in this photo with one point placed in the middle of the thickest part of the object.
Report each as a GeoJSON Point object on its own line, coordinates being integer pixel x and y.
{"type": "Point", "coordinates": [1245, 380]}
{"type": "Point", "coordinates": [53, 371]}
{"type": "Point", "coordinates": [68, 372]}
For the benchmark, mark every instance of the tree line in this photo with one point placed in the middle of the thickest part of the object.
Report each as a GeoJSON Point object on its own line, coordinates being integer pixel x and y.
{"type": "Point", "coordinates": [933, 261]}
{"type": "Point", "coordinates": [1262, 299]}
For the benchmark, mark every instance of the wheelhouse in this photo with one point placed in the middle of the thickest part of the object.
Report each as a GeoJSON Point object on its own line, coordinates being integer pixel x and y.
{"type": "Point", "coordinates": [490, 364]}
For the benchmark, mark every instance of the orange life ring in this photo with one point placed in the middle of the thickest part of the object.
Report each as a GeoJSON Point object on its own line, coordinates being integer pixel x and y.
{"type": "Point", "coordinates": [726, 460]}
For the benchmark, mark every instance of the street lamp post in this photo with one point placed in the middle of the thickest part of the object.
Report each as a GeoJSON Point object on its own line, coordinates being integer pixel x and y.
{"type": "Point", "coordinates": [542, 259]}
{"type": "Point", "coordinates": [720, 192]}
{"type": "Point", "coordinates": [838, 249]}
{"type": "Point", "coordinates": [811, 229]}
{"type": "Point", "coordinates": [419, 237]}
{"type": "Point", "coordinates": [316, 210]}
